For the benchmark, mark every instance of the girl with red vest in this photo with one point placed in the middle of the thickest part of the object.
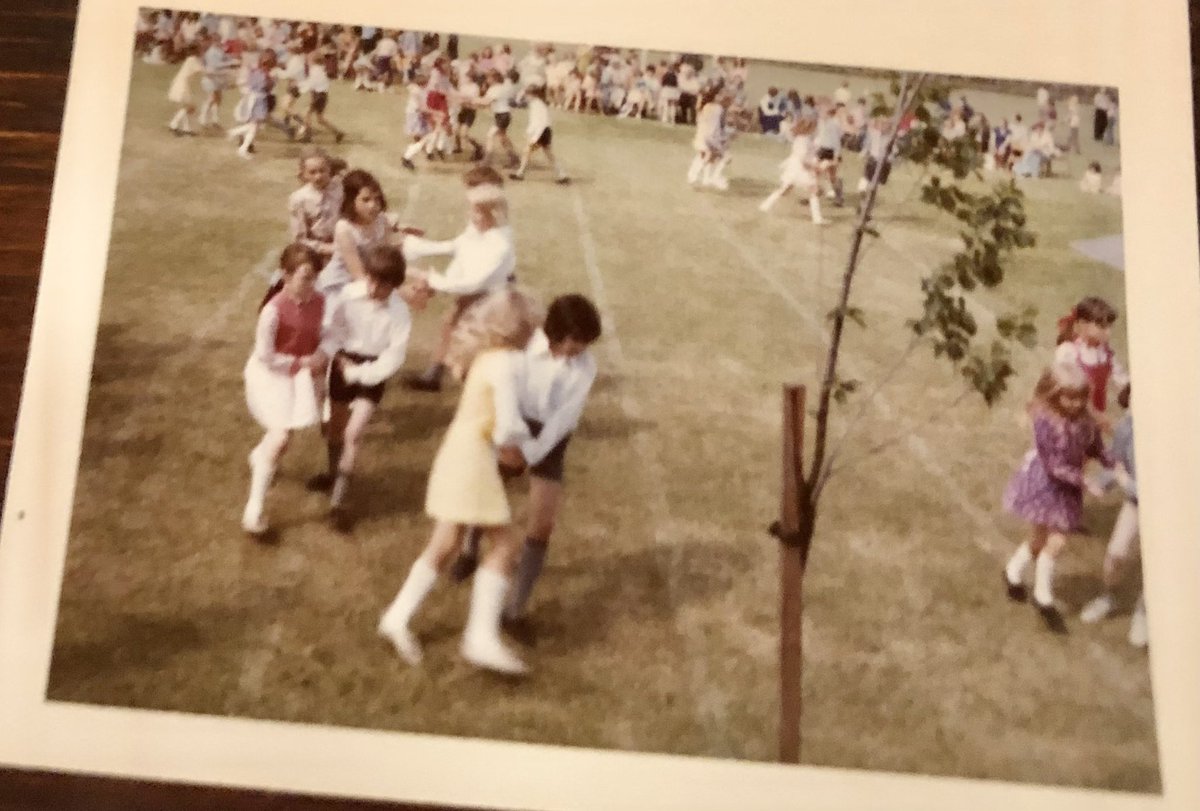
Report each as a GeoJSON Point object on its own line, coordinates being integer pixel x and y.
{"type": "Point", "coordinates": [285, 372]}
{"type": "Point", "coordinates": [1083, 339]}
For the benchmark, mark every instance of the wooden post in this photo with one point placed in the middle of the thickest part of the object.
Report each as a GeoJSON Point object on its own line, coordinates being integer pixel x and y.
{"type": "Point", "coordinates": [791, 572]}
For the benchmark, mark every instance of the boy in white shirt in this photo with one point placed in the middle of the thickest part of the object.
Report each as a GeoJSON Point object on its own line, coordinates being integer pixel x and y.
{"type": "Point", "coordinates": [376, 323]}
{"type": "Point", "coordinates": [553, 383]}
{"type": "Point", "coordinates": [539, 134]}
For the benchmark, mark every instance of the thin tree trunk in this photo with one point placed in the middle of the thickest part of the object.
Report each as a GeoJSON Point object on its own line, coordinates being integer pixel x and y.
{"type": "Point", "coordinates": [793, 553]}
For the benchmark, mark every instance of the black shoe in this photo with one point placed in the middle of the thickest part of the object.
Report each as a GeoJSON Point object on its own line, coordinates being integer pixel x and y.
{"type": "Point", "coordinates": [1051, 616]}
{"type": "Point", "coordinates": [520, 629]}
{"type": "Point", "coordinates": [339, 137]}
{"type": "Point", "coordinates": [341, 519]}
{"type": "Point", "coordinates": [407, 164]}
{"type": "Point", "coordinates": [477, 155]}
{"type": "Point", "coordinates": [515, 176]}
{"type": "Point", "coordinates": [463, 567]}
{"type": "Point", "coordinates": [1016, 591]}
{"type": "Point", "coordinates": [423, 383]}
{"type": "Point", "coordinates": [321, 483]}
{"type": "Point", "coordinates": [563, 181]}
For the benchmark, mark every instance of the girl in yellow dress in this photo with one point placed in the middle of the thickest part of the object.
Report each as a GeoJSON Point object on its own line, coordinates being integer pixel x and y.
{"type": "Point", "coordinates": [465, 487]}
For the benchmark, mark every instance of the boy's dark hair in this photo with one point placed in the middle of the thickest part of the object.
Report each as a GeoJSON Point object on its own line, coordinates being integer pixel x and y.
{"type": "Point", "coordinates": [1096, 311]}
{"type": "Point", "coordinates": [354, 182]}
{"type": "Point", "coordinates": [385, 263]}
{"type": "Point", "coordinates": [297, 254]}
{"type": "Point", "coordinates": [572, 316]}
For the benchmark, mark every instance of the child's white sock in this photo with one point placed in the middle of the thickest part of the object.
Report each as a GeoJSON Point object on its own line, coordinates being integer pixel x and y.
{"type": "Point", "coordinates": [413, 150]}
{"type": "Point", "coordinates": [814, 209]}
{"type": "Point", "coordinates": [441, 141]}
{"type": "Point", "coordinates": [1018, 563]}
{"type": "Point", "coordinates": [481, 643]}
{"type": "Point", "coordinates": [187, 122]}
{"type": "Point", "coordinates": [771, 200]}
{"type": "Point", "coordinates": [178, 119]}
{"type": "Point", "coordinates": [261, 471]}
{"type": "Point", "coordinates": [694, 170]}
{"type": "Point", "coordinates": [863, 183]}
{"type": "Point", "coordinates": [422, 577]}
{"type": "Point", "coordinates": [1043, 579]}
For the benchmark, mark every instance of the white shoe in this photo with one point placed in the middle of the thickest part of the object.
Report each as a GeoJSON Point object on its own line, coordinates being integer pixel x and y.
{"type": "Point", "coordinates": [1097, 609]}
{"type": "Point", "coordinates": [254, 524]}
{"type": "Point", "coordinates": [764, 207]}
{"type": "Point", "coordinates": [821, 221]}
{"type": "Point", "coordinates": [491, 654]}
{"type": "Point", "coordinates": [720, 184]}
{"type": "Point", "coordinates": [244, 155]}
{"type": "Point", "coordinates": [1139, 632]}
{"type": "Point", "coordinates": [402, 640]}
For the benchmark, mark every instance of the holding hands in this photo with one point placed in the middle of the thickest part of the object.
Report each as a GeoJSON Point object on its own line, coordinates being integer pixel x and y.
{"type": "Point", "coordinates": [416, 291]}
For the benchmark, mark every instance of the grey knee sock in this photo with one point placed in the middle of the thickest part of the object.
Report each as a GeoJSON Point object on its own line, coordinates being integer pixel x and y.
{"type": "Point", "coordinates": [434, 373]}
{"type": "Point", "coordinates": [533, 555]}
{"type": "Point", "coordinates": [335, 456]}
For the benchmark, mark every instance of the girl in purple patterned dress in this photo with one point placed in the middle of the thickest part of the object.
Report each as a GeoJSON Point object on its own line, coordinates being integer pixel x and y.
{"type": "Point", "coordinates": [1048, 489]}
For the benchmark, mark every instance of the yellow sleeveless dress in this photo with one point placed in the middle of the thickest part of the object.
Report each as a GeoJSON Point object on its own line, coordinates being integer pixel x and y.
{"type": "Point", "coordinates": [465, 485]}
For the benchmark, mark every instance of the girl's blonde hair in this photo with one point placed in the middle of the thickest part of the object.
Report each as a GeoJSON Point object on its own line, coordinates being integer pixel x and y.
{"type": "Point", "coordinates": [504, 319]}
{"type": "Point", "coordinates": [1057, 380]}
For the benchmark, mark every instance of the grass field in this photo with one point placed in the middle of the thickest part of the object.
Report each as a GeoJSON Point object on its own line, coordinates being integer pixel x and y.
{"type": "Point", "coordinates": [658, 609]}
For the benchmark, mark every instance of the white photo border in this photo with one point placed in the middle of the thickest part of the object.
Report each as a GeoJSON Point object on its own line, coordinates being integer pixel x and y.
{"type": "Point", "coordinates": [1121, 43]}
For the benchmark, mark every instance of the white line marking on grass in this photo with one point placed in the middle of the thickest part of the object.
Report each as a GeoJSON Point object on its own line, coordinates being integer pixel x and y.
{"type": "Point", "coordinates": [710, 701]}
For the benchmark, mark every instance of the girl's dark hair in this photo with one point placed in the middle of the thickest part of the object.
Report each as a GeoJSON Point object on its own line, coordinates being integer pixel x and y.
{"type": "Point", "coordinates": [298, 254]}
{"type": "Point", "coordinates": [385, 263]}
{"type": "Point", "coordinates": [354, 182]}
{"type": "Point", "coordinates": [1093, 310]}
{"type": "Point", "coordinates": [481, 175]}
{"type": "Point", "coordinates": [572, 316]}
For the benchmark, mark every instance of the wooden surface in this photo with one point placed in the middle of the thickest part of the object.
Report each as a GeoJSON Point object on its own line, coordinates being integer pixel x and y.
{"type": "Point", "coordinates": [35, 47]}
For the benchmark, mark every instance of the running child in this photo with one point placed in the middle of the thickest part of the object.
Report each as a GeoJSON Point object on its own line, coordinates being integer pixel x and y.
{"type": "Point", "coordinates": [293, 342]}
{"type": "Point", "coordinates": [418, 121]}
{"type": "Point", "coordinates": [465, 486]}
{"type": "Point", "coordinates": [554, 378]}
{"type": "Point", "coordinates": [1123, 545]}
{"type": "Point", "coordinates": [181, 92]}
{"type": "Point", "coordinates": [1047, 492]}
{"type": "Point", "coordinates": [321, 62]}
{"type": "Point", "coordinates": [799, 171]}
{"type": "Point", "coordinates": [377, 324]}
{"type": "Point", "coordinates": [540, 135]}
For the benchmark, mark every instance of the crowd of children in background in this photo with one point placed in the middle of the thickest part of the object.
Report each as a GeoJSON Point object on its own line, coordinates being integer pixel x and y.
{"type": "Point", "coordinates": [334, 326]}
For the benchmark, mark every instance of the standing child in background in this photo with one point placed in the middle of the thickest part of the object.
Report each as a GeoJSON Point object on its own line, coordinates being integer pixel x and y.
{"type": "Point", "coordinates": [1083, 339]}
{"type": "Point", "coordinates": [875, 148]}
{"type": "Point", "coordinates": [555, 376]}
{"type": "Point", "coordinates": [465, 487]}
{"type": "Point", "coordinates": [1092, 181]}
{"type": "Point", "coordinates": [255, 106]}
{"type": "Point", "coordinates": [539, 134]}
{"type": "Point", "coordinates": [799, 171]}
{"type": "Point", "coordinates": [418, 120]}
{"type": "Point", "coordinates": [829, 149]}
{"type": "Point", "coordinates": [467, 96]}
{"type": "Point", "coordinates": [318, 88]}
{"type": "Point", "coordinates": [377, 324]}
{"type": "Point", "coordinates": [710, 142]}
{"type": "Point", "coordinates": [295, 73]}
{"type": "Point", "coordinates": [285, 372]}
{"type": "Point", "coordinates": [216, 78]}
{"type": "Point", "coordinates": [1123, 546]}
{"type": "Point", "coordinates": [181, 91]}
{"type": "Point", "coordinates": [499, 97]}
{"type": "Point", "coordinates": [1047, 491]}
{"type": "Point", "coordinates": [1073, 126]}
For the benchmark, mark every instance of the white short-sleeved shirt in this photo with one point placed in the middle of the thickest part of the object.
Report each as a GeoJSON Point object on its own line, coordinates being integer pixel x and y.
{"type": "Point", "coordinates": [379, 329]}
{"type": "Point", "coordinates": [386, 48]}
{"type": "Point", "coordinates": [539, 119]}
{"type": "Point", "coordinates": [500, 97]}
{"type": "Point", "coordinates": [551, 391]}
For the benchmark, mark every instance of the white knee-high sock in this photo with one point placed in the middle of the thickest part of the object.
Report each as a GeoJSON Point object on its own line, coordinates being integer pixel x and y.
{"type": "Point", "coordinates": [413, 149]}
{"type": "Point", "coordinates": [262, 468]}
{"type": "Point", "coordinates": [440, 143]}
{"type": "Point", "coordinates": [487, 601]}
{"type": "Point", "coordinates": [1018, 563]}
{"type": "Point", "coordinates": [708, 172]}
{"type": "Point", "coordinates": [694, 170]}
{"type": "Point", "coordinates": [1043, 579]}
{"type": "Point", "coordinates": [422, 577]}
{"type": "Point", "coordinates": [719, 171]}
{"type": "Point", "coordinates": [178, 119]}
{"type": "Point", "coordinates": [187, 121]}
{"type": "Point", "coordinates": [248, 141]}
{"type": "Point", "coordinates": [814, 208]}
{"type": "Point", "coordinates": [771, 200]}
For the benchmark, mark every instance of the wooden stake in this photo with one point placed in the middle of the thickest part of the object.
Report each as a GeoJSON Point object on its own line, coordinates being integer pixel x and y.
{"type": "Point", "coordinates": [791, 572]}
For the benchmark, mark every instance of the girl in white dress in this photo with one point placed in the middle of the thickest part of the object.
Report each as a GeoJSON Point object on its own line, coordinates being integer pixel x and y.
{"type": "Point", "coordinates": [181, 91]}
{"type": "Point", "coordinates": [284, 375]}
{"type": "Point", "coordinates": [800, 171]}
